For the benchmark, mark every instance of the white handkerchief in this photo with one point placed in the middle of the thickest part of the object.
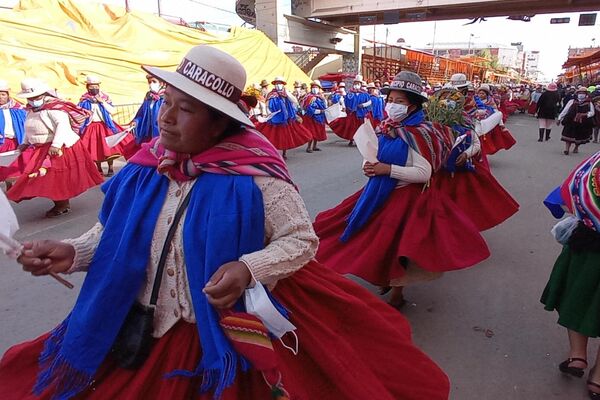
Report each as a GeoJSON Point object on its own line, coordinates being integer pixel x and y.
{"type": "Point", "coordinates": [8, 222]}
{"type": "Point", "coordinates": [367, 142]}
{"type": "Point", "coordinates": [117, 138]}
{"type": "Point", "coordinates": [8, 157]}
{"type": "Point", "coordinates": [334, 112]}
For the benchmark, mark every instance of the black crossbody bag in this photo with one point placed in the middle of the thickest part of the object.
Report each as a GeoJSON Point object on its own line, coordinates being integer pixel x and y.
{"type": "Point", "coordinates": [134, 341]}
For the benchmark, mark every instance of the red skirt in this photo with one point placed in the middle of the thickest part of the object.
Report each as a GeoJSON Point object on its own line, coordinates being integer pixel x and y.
{"type": "Point", "coordinates": [316, 129]}
{"type": "Point", "coordinates": [8, 145]}
{"type": "Point", "coordinates": [346, 127]}
{"type": "Point", "coordinates": [94, 140]}
{"type": "Point", "coordinates": [497, 139]}
{"type": "Point", "coordinates": [425, 227]}
{"type": "Point", "coordinates": [374, 121]}
{"type": "Point", "coordinates": [285, 136]}
{"type": "Point", "coordinates": [479, 195]}
{"type": "Point", "coordinates": [65, 176]}
{"type": "Point", "coordinates": [352, 346]}
{"type": "Point", "coordinates": [532, 108]}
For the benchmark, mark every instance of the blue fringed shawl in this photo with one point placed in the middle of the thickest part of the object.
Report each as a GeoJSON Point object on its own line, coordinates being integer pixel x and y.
{"type": "Point", "coordinates": [392, 150]}
{"type": "Point", "coordinates": [87, 105]}
{"type": "Point", "coordinates": [225, 219]}
{"type": "Point", "coordinates": [18, 122]}
{"type": "Point", "coordinates": [146, 120]}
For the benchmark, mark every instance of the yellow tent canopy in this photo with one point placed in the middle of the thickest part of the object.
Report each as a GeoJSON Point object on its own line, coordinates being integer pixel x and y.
{"type": "Point", "coordinates": [61, 42]}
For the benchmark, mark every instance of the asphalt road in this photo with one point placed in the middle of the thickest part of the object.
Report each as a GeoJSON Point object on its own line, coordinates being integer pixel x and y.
{"type": "Point", "coordinates": [484, 326]}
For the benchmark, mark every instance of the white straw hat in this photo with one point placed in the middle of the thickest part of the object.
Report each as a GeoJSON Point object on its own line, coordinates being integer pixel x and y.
{"type": "Point", "coordinates": [32, 87]}
{"type": "Point", "coordinates": [316, 82]}
{"type": "Point", "coordinates": [4, 86]}
{"type": "Point", "coordinates": [459, 81]}
{"type": "Point", "coordinates": [486, 88]}
{"type": "Point", "coordinates": [211, 76]}
{"type": "Point", "coordinates": [279, 79]}
{"type": "Point", "coordinates": [92, 80]}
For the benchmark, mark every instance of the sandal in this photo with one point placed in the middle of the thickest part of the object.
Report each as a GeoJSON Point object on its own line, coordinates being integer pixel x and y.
{"type": "Point", "coordinates": [574, 371]}
{"type": "Point", "coordinates": [309, 151]}
{"type": "Point", "coordinates": [575, 151]}
{"type": "Point", "coordinates": [566, 152]}
{"type": "Point", "coordinates": [55, 212]}
{"type": "Point", "coordinates": [593, 395]}
{"type": "Point", "coordinates": [316, 149]}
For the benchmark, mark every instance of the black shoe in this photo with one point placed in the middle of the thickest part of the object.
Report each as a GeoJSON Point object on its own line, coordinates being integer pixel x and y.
{"type": "Point", "coordinates": [593, 395]}
{"type": "Point", "coordinates": [574, 371]}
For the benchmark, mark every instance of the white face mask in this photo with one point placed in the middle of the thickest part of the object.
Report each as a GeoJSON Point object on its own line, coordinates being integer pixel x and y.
{"type": "Point", "coordinates": [581, 97]}
{"type": "Point", "coordinates": [315, 90]}
{"type": "Point", "coordinates": [279, 86]}
{"type": "Point", "coordinates": [397, 112]}
{"type": "Point", "coordinates": [36, 103]}
{"type": "Point", "coordinates": [155, 87]}
{"type": "Point", "coordinates": [356, 86]}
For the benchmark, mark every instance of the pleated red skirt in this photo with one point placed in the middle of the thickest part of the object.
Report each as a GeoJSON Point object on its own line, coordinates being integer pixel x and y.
{"type": "Point", "coordinates": [479, 195]}
{"type": "Point", "coordinates": [66, 176]}
{"type": "Point", "coordinates": [352, 346]}
{"type": "Point", "coordinates": [94, 139]}
{"type": "Point", "coordinates": [8, 145]}
{"type": "Point", "coordinates": [532, 107]}
{"type": "Point", "coordinates": [316, 129]}
{"type": "Point", "coordinates": [497, 139]}
{"type": "Point", "coordinates": [374, 121]}
{"type": "Point", "coordinates": [423, 226]}
{"type": "Point", "coordinates": [285, 136]}
{"type": "Point", "coordinates": [346, 127]}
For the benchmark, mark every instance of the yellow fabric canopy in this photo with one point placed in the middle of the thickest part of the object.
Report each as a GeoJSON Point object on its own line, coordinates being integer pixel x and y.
{"type": "Point", "coordinates": [61, 42]}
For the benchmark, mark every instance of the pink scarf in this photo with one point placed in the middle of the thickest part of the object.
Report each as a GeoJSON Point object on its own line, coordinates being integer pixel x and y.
{"type": "Point", "coordinates": [246, 153]}
{"type": "Point", "coordinates": [12, 103]}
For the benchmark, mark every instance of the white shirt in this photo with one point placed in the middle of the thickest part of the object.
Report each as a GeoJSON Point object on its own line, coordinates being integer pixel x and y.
{"type": "Point", "coordinates": [9, 131]}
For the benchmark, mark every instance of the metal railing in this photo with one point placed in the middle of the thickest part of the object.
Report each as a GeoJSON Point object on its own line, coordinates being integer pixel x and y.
{"type": "Point", "coordinates": [124, 113]}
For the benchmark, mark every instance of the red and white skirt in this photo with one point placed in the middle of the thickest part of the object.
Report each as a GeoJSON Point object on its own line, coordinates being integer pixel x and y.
{"type": "Point", "coordinates": [424, 226]}
{"type": "Point", "coordinates": [316, 129]}
{"type": "Point", "coordinates": [94, 139]}
{"type": "Point", "coordinates": [497, 139]}
{"type": "Point", "coordinates": [54, 177]}
{"type": "Point", "coordinates": [347, 126]}
{"type": "Point", "coordinates": [9, 145]}
{"type": "Point", "coordinates": [352, 346]}
{"type": "Point", "coordinates": [285, 136]}
{"type": "Point", "coordinates": [479, 195]}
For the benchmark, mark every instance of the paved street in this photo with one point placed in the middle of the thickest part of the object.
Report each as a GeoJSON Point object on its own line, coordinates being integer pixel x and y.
{"type": "Point", "coordinates": [516, 358]}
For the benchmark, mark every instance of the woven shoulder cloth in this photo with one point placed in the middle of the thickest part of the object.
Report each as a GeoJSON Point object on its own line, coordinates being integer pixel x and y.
{"type": "Point", "coordinates": [431, 140]}
{"type": "Point", "coordinates": [581, 192]}
{"type": "Point", "coordinates": [77, 115]}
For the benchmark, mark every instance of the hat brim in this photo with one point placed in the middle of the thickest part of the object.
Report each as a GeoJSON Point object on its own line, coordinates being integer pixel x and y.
{"type": "Point", "coordinates": [387, 90]}
{"type": "Point", "coordinates": [29, 95]}
{"type": "Point", "coordinates": [203, 95]}
{"type": "Point", "coordinates": [275, 82]}
{"type": "Point", "coordinates": [552, 89]}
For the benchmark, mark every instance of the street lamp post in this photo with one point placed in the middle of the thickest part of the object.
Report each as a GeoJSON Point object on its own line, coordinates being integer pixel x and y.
{"type": "Point", "coordinates": [469, 48]}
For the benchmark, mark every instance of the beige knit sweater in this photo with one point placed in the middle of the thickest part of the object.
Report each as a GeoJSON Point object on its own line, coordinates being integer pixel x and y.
{"type": "Point", "coordinates": [290, 243]}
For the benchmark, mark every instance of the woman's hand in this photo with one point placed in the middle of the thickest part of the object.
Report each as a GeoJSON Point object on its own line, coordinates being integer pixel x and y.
{"type": "Point", "coordinates": [227, 284]}
{"type": "Point", "coordinates": [371, 169]}
{"type": "Point", "coordinates": [461, 159]}
{"type": "Point", "coordinates": [54, 151]}
{"type": "Point", "coordinates": [45, 256]}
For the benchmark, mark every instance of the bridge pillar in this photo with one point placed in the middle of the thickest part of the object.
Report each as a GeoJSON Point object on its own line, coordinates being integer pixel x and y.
{"type": "Point", "coordinates": [270, 19]}
{"type": "Point", "coordinates": [351, 63]}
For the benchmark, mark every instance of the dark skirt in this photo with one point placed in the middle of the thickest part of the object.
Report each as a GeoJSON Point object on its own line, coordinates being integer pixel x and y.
{"type": "Point", "coordinates": [574, 291]}
{"type": "Point", "coordinates": [351, 345]}
{"type": "Point", "coordinates": [577, 133]}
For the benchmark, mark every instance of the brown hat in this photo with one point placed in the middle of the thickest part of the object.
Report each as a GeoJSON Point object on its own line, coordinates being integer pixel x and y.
{"type": "Point", "coordinates": [264, 83]}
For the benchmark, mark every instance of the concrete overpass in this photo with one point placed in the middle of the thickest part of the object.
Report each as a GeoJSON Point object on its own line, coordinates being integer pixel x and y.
{"type": "Point", "coordinates": [332, 25]}
{"type": "Point", "coordinates": [369, 12]}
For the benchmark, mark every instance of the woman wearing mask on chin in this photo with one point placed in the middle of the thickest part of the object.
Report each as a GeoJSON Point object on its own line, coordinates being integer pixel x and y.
{"type": "Point", "coordinates": [53, 162]}
{"type": "Point", "coordinates": [398, 230]}
{"type": "Point", "coordinates": [245, 226]}
{"type": "Point", "coordinates": [578, 120]}
{"type": "Point", "coordinates": [99, 126]}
